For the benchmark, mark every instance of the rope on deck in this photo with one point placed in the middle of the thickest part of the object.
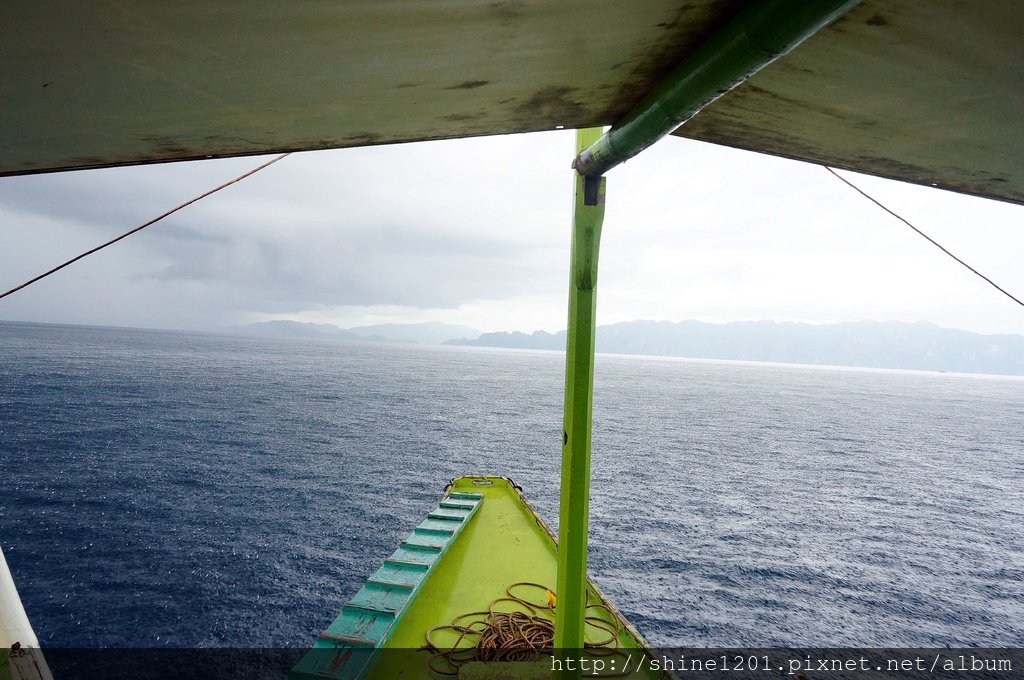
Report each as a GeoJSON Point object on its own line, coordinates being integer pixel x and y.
{"type": "Point", "coordinates": [522, 634]}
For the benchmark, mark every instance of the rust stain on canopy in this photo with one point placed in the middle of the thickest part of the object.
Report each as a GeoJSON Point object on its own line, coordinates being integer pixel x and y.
{"type": "Point", "coordinates": [135, 82]}
{"type": "Point", "coordinates": [926, 92]}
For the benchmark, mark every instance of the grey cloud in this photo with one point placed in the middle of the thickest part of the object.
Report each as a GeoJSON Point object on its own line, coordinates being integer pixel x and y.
{"type": "Point", "coordinates": [313, 231]}
{"type": "Point", "coordinates": [114, 199]}
{"type": "Point", "coordinates": [438, 225]}
{"type": "Point", "coordinates": [368, 266]}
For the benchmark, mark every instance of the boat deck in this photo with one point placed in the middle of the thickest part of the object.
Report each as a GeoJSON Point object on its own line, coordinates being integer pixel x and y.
{"type": "Point", "coordinates": [505, 542]}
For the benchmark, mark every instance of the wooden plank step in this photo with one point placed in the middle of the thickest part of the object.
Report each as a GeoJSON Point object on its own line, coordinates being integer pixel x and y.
{"type": "Point", "coordinates": [445, 524]}
{"type": "Point", "coordinates": [427, 539]}
{"type": "Point", "coordinates": [442, 512]}
{"type": "Point", "coordinates": [412, 554]}
{"type": "Point", "coordinates": [464, 496]}
{"type": "Point", "coordinates": [397, 574]}
{"type": "Point", "coordinates": [382, 597]}
{"type": "Point", "coordinates": [360, 626]}
{"type": "Point", "coordinates": [457, 505]}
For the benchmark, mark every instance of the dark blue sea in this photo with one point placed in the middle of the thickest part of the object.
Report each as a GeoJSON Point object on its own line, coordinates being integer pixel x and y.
{"type": "Point", "coordinates": [185, 489]}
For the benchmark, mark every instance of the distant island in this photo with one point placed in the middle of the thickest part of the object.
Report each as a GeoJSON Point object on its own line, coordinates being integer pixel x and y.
{"type": "Point", "coordinates": [873, 344]}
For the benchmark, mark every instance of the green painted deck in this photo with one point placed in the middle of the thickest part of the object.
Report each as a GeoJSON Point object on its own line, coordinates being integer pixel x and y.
{"type": "Point", "coordinates": [504, 542]}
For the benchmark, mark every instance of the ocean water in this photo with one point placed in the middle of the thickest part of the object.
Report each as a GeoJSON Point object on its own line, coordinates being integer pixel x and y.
{"type": "Point", "coordinates": [181, 489]}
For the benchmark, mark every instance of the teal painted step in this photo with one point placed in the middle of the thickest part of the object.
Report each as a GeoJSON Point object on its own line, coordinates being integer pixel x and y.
{"type": "Point", "coordinates": [349, 645]}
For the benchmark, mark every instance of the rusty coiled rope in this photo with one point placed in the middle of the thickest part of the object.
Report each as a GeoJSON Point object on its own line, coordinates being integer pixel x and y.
{"type": "Point", "coordinates": [522, 634]}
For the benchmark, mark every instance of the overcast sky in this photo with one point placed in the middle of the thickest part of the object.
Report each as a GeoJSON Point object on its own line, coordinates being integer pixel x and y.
{"type": "Point", "coordinates": [476, 232]}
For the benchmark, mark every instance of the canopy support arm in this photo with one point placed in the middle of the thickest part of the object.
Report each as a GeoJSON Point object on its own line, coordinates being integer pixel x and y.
{"type": "Point", "coordinates": [574, 508]}
{"type": "Point", "coordinates": [758, 35]}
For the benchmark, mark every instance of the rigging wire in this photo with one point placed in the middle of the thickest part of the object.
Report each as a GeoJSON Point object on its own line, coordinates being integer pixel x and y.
{"type": "Point", "coordinates": [143, 226]}
{"type": "Point", "coordinates": [170, 212]}
{"type": "Point", "coordinates": [930, 239]}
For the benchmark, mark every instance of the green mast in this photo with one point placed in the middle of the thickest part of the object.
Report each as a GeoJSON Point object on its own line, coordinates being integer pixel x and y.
{"type": "Point", "coordinates": [574, 509]}
{"type": "Point", "coordinates": [758, 34]}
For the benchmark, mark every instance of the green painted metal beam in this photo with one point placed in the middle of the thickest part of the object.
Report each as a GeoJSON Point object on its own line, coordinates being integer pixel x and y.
{"type": "Point", "coordinates": [588, 216]}
{"type": "Point", "coordinates": [758, 35]}
{"type": "Point", "coordinates": [350, 646]}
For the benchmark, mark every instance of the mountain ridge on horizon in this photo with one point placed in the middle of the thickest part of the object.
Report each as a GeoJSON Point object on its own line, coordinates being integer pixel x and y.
{"type": "Point", "coordinates": [920, 345]}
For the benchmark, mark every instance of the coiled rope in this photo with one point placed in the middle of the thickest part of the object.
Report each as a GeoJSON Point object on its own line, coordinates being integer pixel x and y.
{"type": "Point", "coordinates": [522, 634]}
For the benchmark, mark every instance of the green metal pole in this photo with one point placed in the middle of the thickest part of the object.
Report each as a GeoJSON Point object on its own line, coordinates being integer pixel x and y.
{"type": "Point", "coordinates": [573, 517]}
{"type": "Point", "coordinates": [757, 35]}
{"type": "Point", "coordinates": [760, 33]}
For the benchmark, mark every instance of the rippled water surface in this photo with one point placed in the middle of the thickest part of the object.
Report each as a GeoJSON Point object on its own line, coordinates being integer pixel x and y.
{"type": "Point", "coordinates": [184, 489]}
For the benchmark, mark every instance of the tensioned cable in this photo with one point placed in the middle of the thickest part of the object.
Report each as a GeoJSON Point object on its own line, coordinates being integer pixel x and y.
{"type": "Point", "coordinates": [277, 158]}
{"type": "Point", "coordinates": [930, 239]}
{"type": "Point", "coordinates": [143, 226]}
